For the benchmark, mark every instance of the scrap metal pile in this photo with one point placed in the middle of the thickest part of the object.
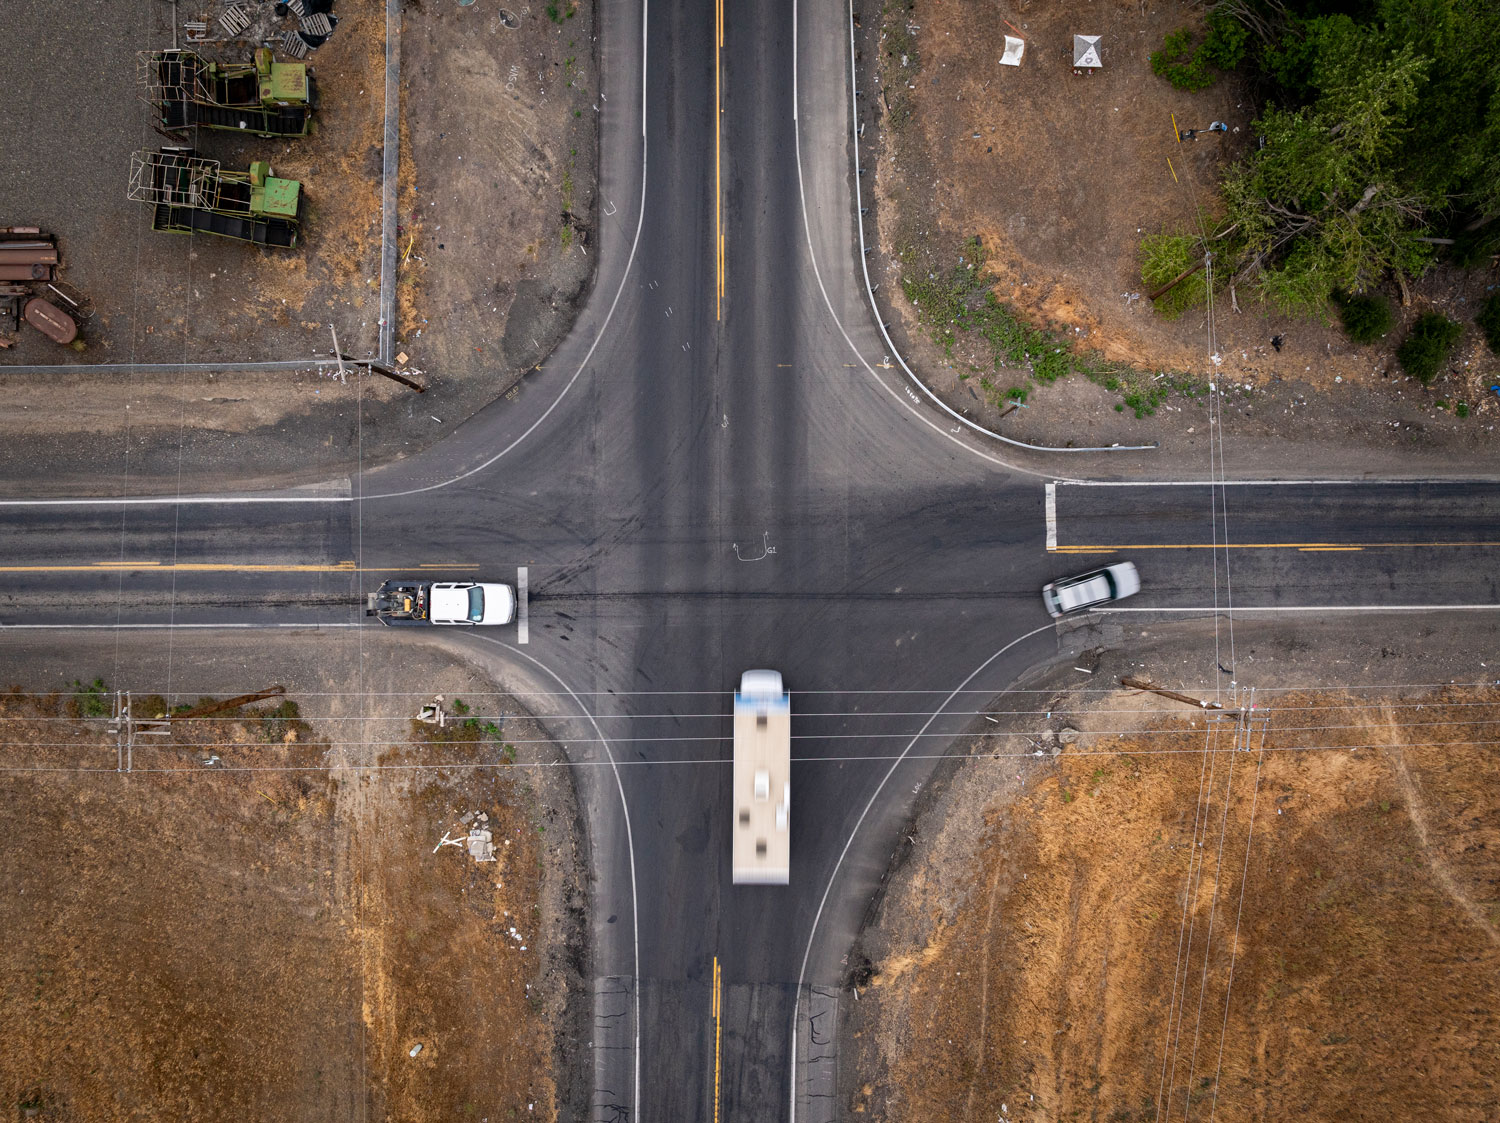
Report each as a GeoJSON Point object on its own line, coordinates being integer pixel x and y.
{"type": "Point", "coordinates": [30, 290]}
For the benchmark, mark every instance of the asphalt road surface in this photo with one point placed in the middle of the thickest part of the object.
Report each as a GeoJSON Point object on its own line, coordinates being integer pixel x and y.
{"type": "Point", "coordinates": [717, 471]}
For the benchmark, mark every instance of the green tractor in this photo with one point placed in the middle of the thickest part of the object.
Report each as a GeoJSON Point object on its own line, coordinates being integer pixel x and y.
{"type": "Point", "coordinates": [264, 97]}
{"type": "Point", "coordinates": [189, 195]}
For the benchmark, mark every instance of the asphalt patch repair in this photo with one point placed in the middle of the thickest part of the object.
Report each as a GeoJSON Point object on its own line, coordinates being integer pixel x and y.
{"type": "Point", "coordinates": [237, 930]}
{"type": "Point", "coordinates": [1303, 922]}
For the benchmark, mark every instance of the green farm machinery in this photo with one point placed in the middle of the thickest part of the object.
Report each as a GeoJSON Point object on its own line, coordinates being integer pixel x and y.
{"type": "Point", "coordinates": [190, 195]}
{"type": "Point", "coordinates": [263, 97]}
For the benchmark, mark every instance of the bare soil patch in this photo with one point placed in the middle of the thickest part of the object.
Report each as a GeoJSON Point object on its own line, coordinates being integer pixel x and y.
{"type": "Point", "coordinates": [269, 935]}
{"type": "Point", "coordinates": [1299, 915]}
{"type": "Point", "coordinates": [497, 221]}
{"type": "Point", "coordinates": [1059, 173]}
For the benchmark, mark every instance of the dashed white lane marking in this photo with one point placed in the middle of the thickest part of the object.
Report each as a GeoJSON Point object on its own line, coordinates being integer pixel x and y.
{"type": "Point", "coordinates": [523, 607]}
{"type": "Point", "coordinates": [1051, 517]}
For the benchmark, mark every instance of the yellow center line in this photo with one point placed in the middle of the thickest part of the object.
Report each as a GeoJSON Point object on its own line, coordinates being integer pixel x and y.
{"type": "Point", "coordinates": [718, 1034]}
{"type": "Point", "coordinates": [718, 162]}
{"type": "Point", "coordinates": [1304, 546]}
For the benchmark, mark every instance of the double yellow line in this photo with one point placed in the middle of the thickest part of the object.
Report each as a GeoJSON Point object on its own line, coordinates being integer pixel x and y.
{"type": "Point", "coordinates": [718, 1009]}
{"type": "Point", "coordinates": [718, 162]}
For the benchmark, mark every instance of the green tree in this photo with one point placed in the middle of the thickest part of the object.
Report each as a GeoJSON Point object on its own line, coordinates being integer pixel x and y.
{"type": "Point", "coordinates": [1318, 208]}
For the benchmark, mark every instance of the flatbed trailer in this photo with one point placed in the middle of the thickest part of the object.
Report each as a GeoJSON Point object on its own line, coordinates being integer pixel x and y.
{"type": "Point", "coordinates": [400, 603]}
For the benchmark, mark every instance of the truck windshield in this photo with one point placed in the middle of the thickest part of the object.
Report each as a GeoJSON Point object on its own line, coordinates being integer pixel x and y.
{"type": "Point", "coordinates": [476, 605]}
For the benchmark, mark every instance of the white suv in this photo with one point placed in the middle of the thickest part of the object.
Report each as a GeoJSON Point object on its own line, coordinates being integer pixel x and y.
{"type": "Point", "coordinates": [1113, 582]}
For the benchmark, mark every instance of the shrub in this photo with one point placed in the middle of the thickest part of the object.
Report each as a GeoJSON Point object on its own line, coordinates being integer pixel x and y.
{"type": "Point", "coordinates": [1428, 346]}
{"type": "Point", "coordinates": [1489, 321]}
{"type": "Point", "coordinates": [90, 699]}
{"type": "Point", "coordinates": [1366, 317]}
{"type": "Point", "coordinates": [1174, 63]}
{"type": "Point", "coordinates": [1163, 257]}
{"type": "Point", "coordinates": [1223, 48]}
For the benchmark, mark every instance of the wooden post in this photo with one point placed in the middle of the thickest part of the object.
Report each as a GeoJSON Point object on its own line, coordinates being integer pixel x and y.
{"type": "Point", "coordinates": [1150, 687]}
{"type": "Point", "coordinates": [230, 703]}
{"type": "Point", "coordinates": [1174, 282]}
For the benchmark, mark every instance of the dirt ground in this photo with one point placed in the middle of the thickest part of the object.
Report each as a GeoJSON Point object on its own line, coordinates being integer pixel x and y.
{"type": "Point", "coordinates": [495, 228]}
{"type": "Point", "coordinates": [1060, 173]}
{"type": "Point", "coordinates": [1126, 911]}
{"type": "Point", "coordinates": [252, 922]}
{"type": "Point", "coordinates": [496, 205]}
{"type": "Point", "coordinates": [197, 299]}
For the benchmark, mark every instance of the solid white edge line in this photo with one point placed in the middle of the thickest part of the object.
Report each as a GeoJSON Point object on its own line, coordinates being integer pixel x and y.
{"type": "Point", "coordinates": [973, 426]}
{"type": "Point", "coordinates": [832, 877]}
{"type": "Point", "coordinates": [1384, 482]}
{"type": "Point", "coordinates": [162, 627]}
{"type": "Point", "coordinates": [1320, 608]}
{"type": "Point", "coordinates": [523, 606]}
{"type": "Point", "coordinates": [1051, 515]}
{"type": "Point", "coordinates": [635, 924]}
{"type": "Point", "coordinates": [828, 303]}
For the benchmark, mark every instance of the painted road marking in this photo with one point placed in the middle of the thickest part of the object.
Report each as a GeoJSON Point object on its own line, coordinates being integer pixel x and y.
{"type": "Point", "coordinates": [1051, 516]}
{"type": "Point", "coordinates": [718, 161]}
{"type": "Point", "coordinates": [1393, 482]}
{"type": "Point", "coordinates": [523, 607]}
{"type": "Point", "coordinates": [1306, 546]}
{"type": "Point", "coordinates": [718, 1010]}
{"type": "Point", "coordinates": [164, 627]}
{"type": "Point", "coordinates": [217, 567]}
{"type": "Point", "coordinates": [1318, 608]}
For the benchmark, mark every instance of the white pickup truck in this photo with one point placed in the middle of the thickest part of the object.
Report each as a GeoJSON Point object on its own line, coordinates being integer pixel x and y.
{"type": "Point", "coordinates": [400, 602]}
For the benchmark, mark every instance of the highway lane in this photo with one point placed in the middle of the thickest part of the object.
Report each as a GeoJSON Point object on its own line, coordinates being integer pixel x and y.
{"type": "Point", "coordinates": [1283, 545]}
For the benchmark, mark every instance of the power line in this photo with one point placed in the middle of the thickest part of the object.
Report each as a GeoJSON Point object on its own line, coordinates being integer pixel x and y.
{"type": "Point", "coordinates": [697, 761]}
{"type": "Point", "coordinates": [181, 722]}
{"type": "Point", "coordinates": [1234, 946]}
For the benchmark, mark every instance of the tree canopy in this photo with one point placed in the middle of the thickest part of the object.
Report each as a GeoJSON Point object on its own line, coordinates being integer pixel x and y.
{"type": "Point", "coordinates": [1380, 130]}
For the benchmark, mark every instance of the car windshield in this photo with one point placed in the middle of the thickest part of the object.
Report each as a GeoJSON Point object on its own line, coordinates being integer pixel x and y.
{"type": "Point", "coordinates": [476, 605]}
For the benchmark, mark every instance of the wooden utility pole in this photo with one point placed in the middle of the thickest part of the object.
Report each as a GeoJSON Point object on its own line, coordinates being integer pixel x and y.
{"type": "Point", "coordinates": [389, 371]}
{"type": "Point", "coordinates": [372, 364]}
{"type": "Point", "coordinates": [1150, 687]}
{"type": "Point", "coordinates": [1175, 281]}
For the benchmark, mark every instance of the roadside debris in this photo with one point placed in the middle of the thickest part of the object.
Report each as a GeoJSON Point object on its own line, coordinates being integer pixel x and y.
{"type": "Point", "coordinates": [479, 841]}
{"type": "Point", "coordinates": [433, 713]}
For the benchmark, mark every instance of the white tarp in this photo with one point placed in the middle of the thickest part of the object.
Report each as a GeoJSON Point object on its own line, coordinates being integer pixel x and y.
{"type": "Point", "coordinates": [1014, 48]}
{"type": "Point", "coordinates": [1086, 50]}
